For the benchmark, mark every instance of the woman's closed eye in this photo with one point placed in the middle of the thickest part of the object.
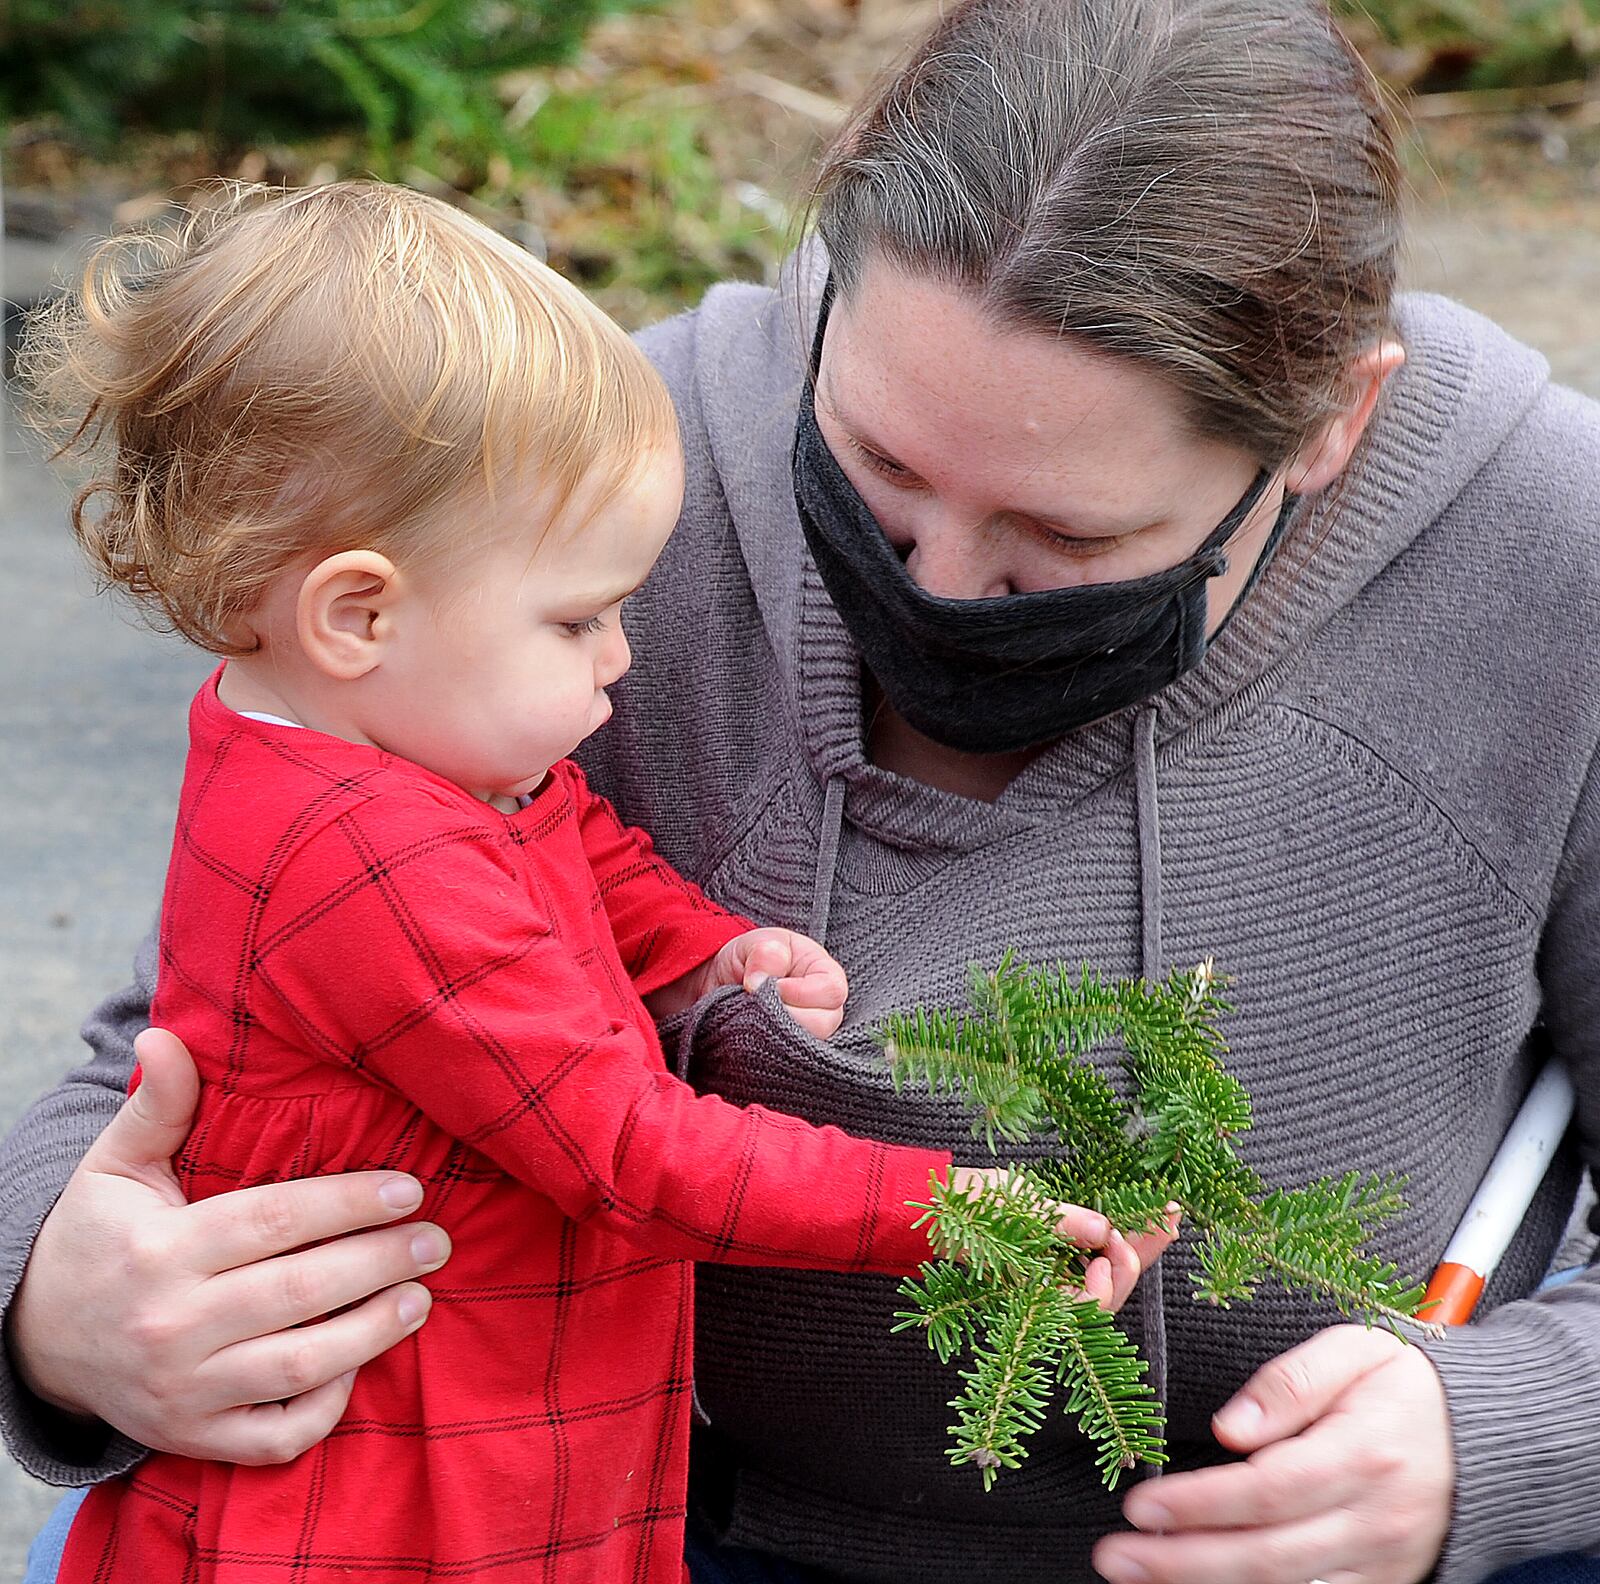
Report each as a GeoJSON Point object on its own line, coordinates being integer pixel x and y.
{"type": "Point", "coordinates": [885, 467]}
{"type": "Point", "coordinates": [1078, 547]}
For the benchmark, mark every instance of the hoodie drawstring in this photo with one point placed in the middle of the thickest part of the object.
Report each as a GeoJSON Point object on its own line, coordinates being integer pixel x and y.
{"type": "Point", "coordinates": [827, 860]}
{"type": "Point", "coordinates": [1152, 1308]}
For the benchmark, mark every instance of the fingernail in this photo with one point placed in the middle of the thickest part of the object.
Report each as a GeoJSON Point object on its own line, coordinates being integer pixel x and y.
{"type": "Point", "coordinates": [755, 981]}
{"type": "Point", "coordinates": [1242, 1417]}
{"type": "Point", "coordinates": [1123, 1570]}
{"type": "Point", "coordinates": [1116, 1237]}
{"type": "Point", "coordinates": [429, 1249]}
{"type": "Point", "coordinates": [1150, 1515]}
{"type": "Point", "coordinates": [401, 1193]}
{"type": "Point", "coordinates": [413, 1310]}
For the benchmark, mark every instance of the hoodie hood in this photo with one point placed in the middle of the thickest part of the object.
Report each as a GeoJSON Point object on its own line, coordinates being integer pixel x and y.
{"type": "Point", "coordinates": [1438, 422]}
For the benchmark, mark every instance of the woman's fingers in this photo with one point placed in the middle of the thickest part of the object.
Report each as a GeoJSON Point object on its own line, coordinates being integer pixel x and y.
{"type": "Point", "coordinates": [1352, 1479]}
{"type": "Point", "coordinates": [279, 1432]}
{"type": "Point", "coordinates": [272, 1368]}
{"type": "Point", "coordinates": [1289, 1554]}
{"type": "Point", "coordinates": [272, 1295]}
{"type": "Point", "coordinates": [237, 1229]}
{"type": "Point", "coordinates": [1286, 1481]}
{"type": "Point", "coordinates": [1297, 1388]}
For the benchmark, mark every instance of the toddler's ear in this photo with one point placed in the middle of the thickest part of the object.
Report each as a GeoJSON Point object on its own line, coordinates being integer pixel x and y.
{"type": "Point", "coordinates": [342, 615]}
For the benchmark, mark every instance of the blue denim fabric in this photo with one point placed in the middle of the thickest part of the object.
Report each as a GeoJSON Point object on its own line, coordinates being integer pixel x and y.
{"type": "Point", "coordinates": [44, 1555]}
{"type": "Point", "coordinates": [1568, 1569]}
{"type": "Point", "coordinates": [710, 1563]}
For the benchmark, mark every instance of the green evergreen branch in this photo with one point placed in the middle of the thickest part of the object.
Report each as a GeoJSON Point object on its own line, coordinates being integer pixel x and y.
{"type": "Point", "coordinates": [966, 1058]}
{"type": "Point", "coordinates": [1008, 1231]}
{"type": "Point", "coordinates": [1010, 1382]}
{"type": "Point", "coordinates": [1005, 1291]}
{"type": "Point", "coordinates": [950, 1303]}
{"type": "Point", "coordinates": [1106, 1389]}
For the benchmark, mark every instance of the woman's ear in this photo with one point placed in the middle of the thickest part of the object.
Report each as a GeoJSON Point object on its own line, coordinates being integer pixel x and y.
{"type": "Point", "coordinates": [344, 615]}
{"type": "Point", "coordinates": [1323, 459]}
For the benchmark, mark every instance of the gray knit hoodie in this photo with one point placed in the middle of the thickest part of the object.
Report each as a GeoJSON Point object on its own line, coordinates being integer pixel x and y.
{"type": "Point", "coordinates": [1371, 803]}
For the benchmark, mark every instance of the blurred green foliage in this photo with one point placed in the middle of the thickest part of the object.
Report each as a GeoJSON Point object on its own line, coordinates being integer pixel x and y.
{"type": "Point", "coordinates": [630, 169]}
{"type": "Point", "coordinates": [418, 76]}
{"type": "Point", "coordinates": [617, 176]}
{"type": "Point", "coordinates": [1451, 44]}
{"type": "Point", "coordinates": [652, 215]}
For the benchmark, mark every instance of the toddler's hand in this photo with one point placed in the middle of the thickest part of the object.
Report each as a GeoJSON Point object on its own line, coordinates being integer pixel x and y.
{"type": "Point", "coordinates": [1113, 1273]}
{"type": "Point", "coordinates": [811, 985]}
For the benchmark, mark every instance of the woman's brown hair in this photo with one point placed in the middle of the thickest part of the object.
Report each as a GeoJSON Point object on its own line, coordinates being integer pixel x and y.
{"type": "Point", "coordinates": [1206, 187]}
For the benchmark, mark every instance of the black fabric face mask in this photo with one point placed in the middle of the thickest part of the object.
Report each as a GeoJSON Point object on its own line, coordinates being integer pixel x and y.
{"type": "Point", "coordinates": [1000, 674]}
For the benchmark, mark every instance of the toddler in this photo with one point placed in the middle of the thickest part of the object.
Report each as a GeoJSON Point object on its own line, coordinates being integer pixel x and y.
{"type": "Point", "coordinates": [402, 478]}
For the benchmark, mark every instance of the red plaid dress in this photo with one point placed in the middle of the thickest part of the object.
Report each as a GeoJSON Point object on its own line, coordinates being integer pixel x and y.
{"type": "Point", "coordinates": [376, 970]}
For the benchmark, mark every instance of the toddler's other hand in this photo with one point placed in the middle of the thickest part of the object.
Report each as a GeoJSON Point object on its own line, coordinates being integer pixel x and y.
{"type": "Point", "coordinates": [811, 985]}
{"type": "Point", "coordinates": [1115, 1271]}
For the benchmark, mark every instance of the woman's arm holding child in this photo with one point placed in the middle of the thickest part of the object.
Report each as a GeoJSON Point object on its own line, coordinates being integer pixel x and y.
{"type": "Point", "coordinates": [186, 1328]}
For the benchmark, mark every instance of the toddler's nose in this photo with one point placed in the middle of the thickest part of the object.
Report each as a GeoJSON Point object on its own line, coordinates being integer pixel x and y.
{"type": "Point", "coordinates": [616, 659]}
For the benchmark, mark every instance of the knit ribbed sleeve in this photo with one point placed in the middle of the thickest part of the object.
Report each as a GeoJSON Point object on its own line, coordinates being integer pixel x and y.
{"type": "Point", "coordinates": [1524, 1393]}
{"type": "Point", "coordinates": [1524, 1384]}
{"type": "Point", "coordinates": [36, 1160]}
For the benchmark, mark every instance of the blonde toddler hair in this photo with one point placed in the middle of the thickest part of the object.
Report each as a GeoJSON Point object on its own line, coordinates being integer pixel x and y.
{"type": "Point", "coordinates": [301, 372]}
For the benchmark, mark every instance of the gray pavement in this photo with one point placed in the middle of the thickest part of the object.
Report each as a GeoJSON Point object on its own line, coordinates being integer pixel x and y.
{"type": "Point", "coordinates": [92, 718]}
{"type": "Point", "coordinates": [91, 750]}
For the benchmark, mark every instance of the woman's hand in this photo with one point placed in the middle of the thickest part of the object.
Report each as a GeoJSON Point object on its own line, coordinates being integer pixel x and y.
{"type": "Point", "coordinates": [173, 1322]}
{"type": "Point", "coordinates": [1349, 1479]}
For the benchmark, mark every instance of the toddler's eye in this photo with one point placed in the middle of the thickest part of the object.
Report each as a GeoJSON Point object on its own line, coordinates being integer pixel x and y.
{"type": "Point", "coordinates": [593, 625]}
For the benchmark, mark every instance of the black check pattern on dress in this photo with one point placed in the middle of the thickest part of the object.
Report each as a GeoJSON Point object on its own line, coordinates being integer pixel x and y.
{"type": "Point", "coordinates": [376, 970]}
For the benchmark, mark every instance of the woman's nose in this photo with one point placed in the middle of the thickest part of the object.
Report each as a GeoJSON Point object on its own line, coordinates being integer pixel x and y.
{"type": "Point", "coordinates": [954, 562]}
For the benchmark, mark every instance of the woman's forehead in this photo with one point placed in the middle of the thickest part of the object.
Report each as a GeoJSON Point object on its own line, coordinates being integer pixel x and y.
{"type": "Point", "coordinates": [918, 371]}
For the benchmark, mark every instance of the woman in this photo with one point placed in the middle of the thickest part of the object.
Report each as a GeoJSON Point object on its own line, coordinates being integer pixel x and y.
{"type": "Point", "coordinates": [1138, 584]}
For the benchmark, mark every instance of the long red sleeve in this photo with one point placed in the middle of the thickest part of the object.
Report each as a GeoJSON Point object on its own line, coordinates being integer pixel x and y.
{"type": "Point", "coordinates": [412, 949]}
{"type": "Point", "coordinates": [664, 925]}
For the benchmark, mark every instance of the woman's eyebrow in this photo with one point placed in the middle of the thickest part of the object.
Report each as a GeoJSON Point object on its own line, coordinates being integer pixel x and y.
{"type": "Point", "coordinates": [824, 395]}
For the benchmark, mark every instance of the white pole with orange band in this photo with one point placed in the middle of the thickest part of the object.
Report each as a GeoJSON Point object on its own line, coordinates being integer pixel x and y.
{"type": "Point", "coordinates": [1502, 1199]}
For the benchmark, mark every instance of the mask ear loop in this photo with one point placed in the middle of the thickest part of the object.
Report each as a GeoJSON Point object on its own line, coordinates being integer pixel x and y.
{"type": "Point", "coordinates": [1221, 536]}
{"type": "Point", "coordinates": [824, 308]}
